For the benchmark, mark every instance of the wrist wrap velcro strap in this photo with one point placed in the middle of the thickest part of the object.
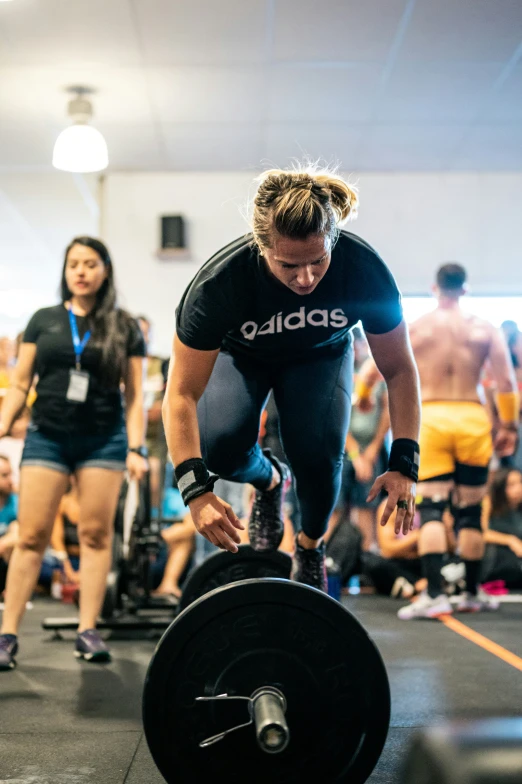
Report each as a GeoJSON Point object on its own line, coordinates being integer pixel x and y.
{"type": "Point", "coordinates": [404, 457]}
{"type": "Point", "coordinates": [194, 479]}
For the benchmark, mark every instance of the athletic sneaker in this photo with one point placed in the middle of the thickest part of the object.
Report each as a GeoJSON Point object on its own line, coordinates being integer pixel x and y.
{"type": "Point", "coordinates": [426, 607]}
{"type": "Point", "coordinates": [468, 602]}
{"type": "Point", "coordinates": [402, 589]}
{"type": "Point", "coordinates": [8, 651]}
{"type": "Point", "coordinates": [266, 526]}
{"type": "Point", "coordinates": [91, 647]}
{"type": "Point", "coordinates": [309, 566]}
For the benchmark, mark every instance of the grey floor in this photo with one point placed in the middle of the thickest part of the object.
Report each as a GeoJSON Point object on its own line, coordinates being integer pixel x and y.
{"type": "Point", "coordinates": [67, 722]}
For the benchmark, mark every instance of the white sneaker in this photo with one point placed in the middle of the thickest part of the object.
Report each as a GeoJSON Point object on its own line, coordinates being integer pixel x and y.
{"type": "Point", "coordinates": [426, 607]}
{"type": "Point", "coordinates": [402, 589]}
{"type": "Point", "coordinates": [468, 602]}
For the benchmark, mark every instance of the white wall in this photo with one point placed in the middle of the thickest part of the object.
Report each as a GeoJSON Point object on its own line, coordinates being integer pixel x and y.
{"type": "Point", "coordinates": [39, 215]}
{"type": "Point", "coordinates": [132, 206]}
{"type": "Point", "coordinates": [416, 222]}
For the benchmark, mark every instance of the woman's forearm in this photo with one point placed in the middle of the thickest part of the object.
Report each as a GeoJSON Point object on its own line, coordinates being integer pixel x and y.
{"type": "Point", "coordinates": [136, 422]}
{"type": "Point", "coordinates": [13, 405]}
{"type": "Point", "coordinates": [404, 403]}
{"type": "Point", "coordinates": [181, 428]}
{"type": "Point", "coordinates": [401, 548]}
{"type": "Point", "coordinates": [495, 537]}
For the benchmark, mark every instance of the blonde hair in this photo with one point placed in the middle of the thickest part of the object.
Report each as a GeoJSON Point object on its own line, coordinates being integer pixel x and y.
{"type": "Point", "coordinates": [302, 201]}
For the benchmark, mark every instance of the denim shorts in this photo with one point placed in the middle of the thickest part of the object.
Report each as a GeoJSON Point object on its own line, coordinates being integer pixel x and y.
{"type": "Point", "coordinates": [70, 452]}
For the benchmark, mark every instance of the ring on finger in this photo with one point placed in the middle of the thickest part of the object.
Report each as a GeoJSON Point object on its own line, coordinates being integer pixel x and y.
{"type": "Point", "coordinates": [403, 504]}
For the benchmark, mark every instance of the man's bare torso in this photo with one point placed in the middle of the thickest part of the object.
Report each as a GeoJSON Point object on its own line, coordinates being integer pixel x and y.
{"type": "Point", "coordinates": [450, 349]}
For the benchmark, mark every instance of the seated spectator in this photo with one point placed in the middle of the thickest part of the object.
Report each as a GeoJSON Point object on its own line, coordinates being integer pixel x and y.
{"type": "Point", "coordinates": [63, 554]}
{"type": "Point", "coordinates": [7, 355]}
{"type": "Point", "coordinates": [12, 445]}
{"type": "Point", "coordinates": [153, 392]}
{"type": "Point", "coordinates": [8, 517]}
{"type": "Point", "coordinates": [180, 542]}
{"type": "Point", "coordinates": [366, 456]}
{"type": "Point", "coordinates": [502, 525]}
{"type": "Point", "coordinates": [397, 571]}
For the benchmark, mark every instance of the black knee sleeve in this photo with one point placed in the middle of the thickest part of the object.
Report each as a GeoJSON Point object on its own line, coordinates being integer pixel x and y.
{"type": "Point", "coordinates": [430, 511]}
{"type": "Point", "coordinates": [467, 517]}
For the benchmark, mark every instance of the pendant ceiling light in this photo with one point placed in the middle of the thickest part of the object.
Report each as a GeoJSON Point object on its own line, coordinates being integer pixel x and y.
{"type": "Point", "coordinates": [80, 147]}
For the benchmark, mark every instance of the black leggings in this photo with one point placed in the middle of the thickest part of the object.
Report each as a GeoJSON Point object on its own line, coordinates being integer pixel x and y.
{"type": "Point", "coordinates": [313, 399]}
{"type": "Point", "coordinates": [501, 563]}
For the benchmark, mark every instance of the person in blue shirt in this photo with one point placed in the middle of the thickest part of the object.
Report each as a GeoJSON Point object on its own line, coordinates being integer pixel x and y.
{"type": "Point", "coordinates": [8, 516]}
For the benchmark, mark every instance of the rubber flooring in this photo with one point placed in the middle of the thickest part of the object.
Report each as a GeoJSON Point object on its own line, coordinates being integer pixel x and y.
{"type": "Point", "coordinates": [69, 722]}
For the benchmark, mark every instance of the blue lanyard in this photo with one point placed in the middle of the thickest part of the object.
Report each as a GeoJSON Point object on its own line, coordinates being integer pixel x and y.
{"type": "Point", "coordinates": [79, 345]}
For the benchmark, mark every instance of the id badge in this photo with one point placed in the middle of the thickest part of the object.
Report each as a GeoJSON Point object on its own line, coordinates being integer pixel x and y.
{"type": "Point", "coordinates": [78, 386]}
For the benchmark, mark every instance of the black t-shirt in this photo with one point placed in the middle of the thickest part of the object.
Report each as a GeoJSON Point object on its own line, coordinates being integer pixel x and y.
{"type": "Point", "coordinates": [508, 523]}
{"type": "Point", "coordinates": [102, 412]}
{"type": "Point", "coordinates": [235, 304]}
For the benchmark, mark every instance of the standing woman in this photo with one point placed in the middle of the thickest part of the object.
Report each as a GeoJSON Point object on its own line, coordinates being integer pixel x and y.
{"type": "Point", "coordinates": [82, 350]}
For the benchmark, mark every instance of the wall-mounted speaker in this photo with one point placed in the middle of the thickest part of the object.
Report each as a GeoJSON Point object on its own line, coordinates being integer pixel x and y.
{"type": "Point", "coordinates": [172, 231]}
{"type": "Point", "coordinates": [173, 238]}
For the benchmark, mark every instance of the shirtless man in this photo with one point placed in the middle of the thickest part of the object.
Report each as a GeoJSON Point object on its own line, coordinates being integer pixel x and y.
{"type": "Point", "coordinates": [451, 348]}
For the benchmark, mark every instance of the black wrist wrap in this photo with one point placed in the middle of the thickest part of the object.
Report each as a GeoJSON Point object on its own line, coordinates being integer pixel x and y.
{"type": "Point", "coordinates": [194, 479]}
{"type": "Point", "coordinates": [404, 457]}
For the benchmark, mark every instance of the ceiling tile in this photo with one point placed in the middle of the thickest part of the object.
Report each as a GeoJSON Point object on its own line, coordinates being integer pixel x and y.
{"type": "Point", "coordinates": [201, 32]}
{"type": "Point", "coordinates": [505, 106]}
{"type": "Point", "coordinates": [475, 30]}
{"type": "Point", "coordinates": [336, 145]}
{"type": "Point", "coordinates": [218, 147]}
{"type": "Point", "coordinates": [437, 93]}
{"type": "Point", "coordinates": [314, 94]}
{"type": "Point", "coordinates": [335, 30]}
{"type": "Point", "coordinates": [491, 148]}
{"type": "Point", "coordinates": [27, 144]}
{"type": "Point", "coordinates": [61, 32]}
{"type": "Point", "coordinates": [134, 147]}
{"type": "Point", "coordinates": [389, 148]}
{"type": "Point", "coordinates": [29, 94]}
{"type": "Point", "coordinates": [208, 94]}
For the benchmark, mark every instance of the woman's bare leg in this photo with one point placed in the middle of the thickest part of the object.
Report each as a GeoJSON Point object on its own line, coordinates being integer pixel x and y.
{"type": "Point", "coordinates": [178, 558]}
{"type": "Point", "coordinates": [41, 490]}
{"type": "Point", "coordinates": [98, 492]}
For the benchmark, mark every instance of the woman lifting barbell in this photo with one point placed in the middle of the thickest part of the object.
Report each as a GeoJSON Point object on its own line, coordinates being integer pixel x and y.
{"type": "Point", "coordinates": [273, 310]}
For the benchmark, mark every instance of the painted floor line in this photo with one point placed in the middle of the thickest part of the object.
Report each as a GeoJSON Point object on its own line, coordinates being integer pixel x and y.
{"type": "Point", "coordinates": [483, 642]}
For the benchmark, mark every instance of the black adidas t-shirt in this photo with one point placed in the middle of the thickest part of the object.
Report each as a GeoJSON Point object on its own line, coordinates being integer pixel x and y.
{"type": "Point", "coordinates": [102, 412]}
{"type": "Point", "coordinates": [235, 304]}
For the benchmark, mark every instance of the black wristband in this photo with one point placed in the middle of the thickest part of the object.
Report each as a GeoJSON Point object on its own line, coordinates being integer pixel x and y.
{"type": "Point", "coordinates": [194, 479]}
{"type": "Point", "coordinates": [142, 451]}
{"type": "Point", "coordinates": [404, 457]}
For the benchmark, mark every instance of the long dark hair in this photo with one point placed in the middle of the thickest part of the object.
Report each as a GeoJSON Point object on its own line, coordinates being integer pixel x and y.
{"type": "Point", "coordinates": [109, 324]}
{"type": "Point", "coordinates": [497, 491]}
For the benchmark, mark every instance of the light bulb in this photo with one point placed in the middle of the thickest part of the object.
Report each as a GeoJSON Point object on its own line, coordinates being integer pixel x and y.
{"type": "Point", "coordinates": [80, 148]}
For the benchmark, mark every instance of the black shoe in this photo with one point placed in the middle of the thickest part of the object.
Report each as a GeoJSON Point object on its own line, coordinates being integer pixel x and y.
{"type": "Point", "coordinates": [91, 647]}
{"type": "Point", "coordinates": [8, 651]}
{"type": "Point", "coordinates": [309, 566]}
{"type": "Point", "coordinates": [266, 526]}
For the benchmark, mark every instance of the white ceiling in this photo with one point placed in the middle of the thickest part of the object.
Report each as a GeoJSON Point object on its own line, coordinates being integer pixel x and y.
{"type": "Point", "coordinates": [236, 84]}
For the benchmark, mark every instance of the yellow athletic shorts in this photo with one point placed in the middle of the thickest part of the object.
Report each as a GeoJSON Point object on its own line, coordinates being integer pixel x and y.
{"type": "Point", "coordinates": [453, 432]}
